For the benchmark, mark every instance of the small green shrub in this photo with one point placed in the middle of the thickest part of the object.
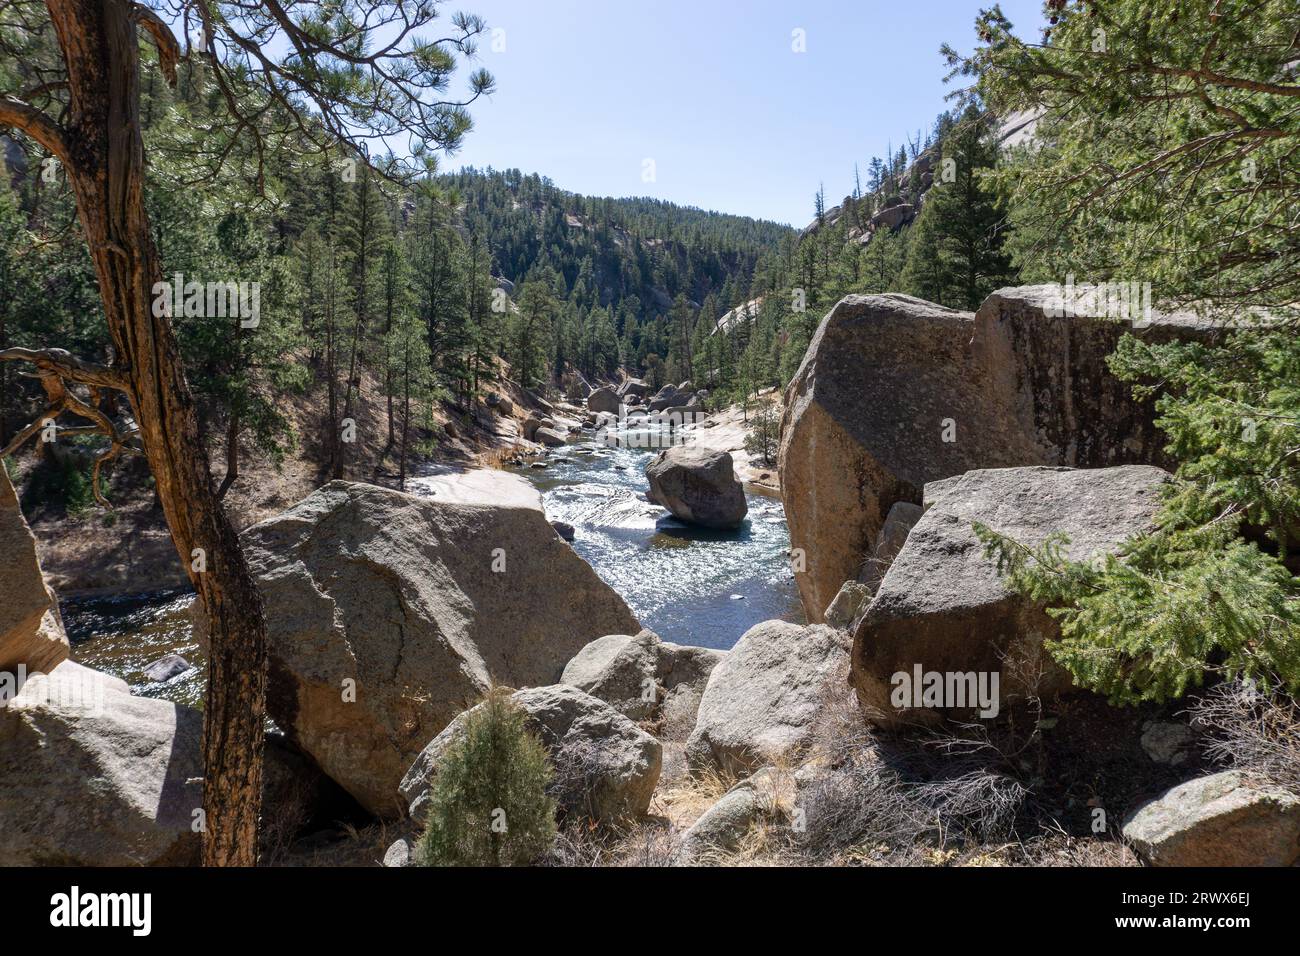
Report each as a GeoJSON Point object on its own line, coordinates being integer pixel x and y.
{"type": "Point", "coordinates": [488, 805]}
{"type": "Point", "coordinates": [59, 484]}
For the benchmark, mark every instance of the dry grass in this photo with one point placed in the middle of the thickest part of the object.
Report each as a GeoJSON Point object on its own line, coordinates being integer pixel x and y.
{"type": "Point", "coordinates": [1252, 731]}
{"type": "Point", "coordinates": [649, 843]}
{"type": "Point", "coordinates": [346, 845]}
{"type": "Point", "coordinates": [498, 457]}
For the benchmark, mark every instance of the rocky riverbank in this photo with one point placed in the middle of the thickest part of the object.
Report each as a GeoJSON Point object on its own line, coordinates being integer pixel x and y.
{"type": "Point", "coordinates": [920, 719]}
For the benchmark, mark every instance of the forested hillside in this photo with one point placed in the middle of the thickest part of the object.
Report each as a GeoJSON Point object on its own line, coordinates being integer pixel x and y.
{"type": "Point", "coordinates": [628, 279]}
{"type": "Point", "coordinates": [924, 221]}
{"type": "Point", "coordinates": [425, 289]}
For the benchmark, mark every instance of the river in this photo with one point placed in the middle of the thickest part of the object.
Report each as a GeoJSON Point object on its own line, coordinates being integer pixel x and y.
{"type": "Point", "coordinates": [689, 585]}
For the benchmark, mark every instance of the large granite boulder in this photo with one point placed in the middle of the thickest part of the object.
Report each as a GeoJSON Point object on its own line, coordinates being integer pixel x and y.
{"type": "Point", "coordinates": [698, 485]}
{"type": "Point", "coordinates": [764, 698]}
{"type": "Point", "coordinates": [606, 767]}
{"type": "Point", "coordinates": [31, 631]}
{"type": "Point", "coordinates": [662, 398]}
{"type": "Point", "coordinates": [1219, 820]}
{"type": "Point", "coordinates": [943, 607]}
{"type": "Point", "coordinates": [548, 437]}
{"type": "Point", "coordinates": [633, 388]}
{"type": "Point", "coordinates": [681, 409]}
{"type": "Point", "coordinates": [91, 776]}
{"type": "Point", "coordinates": [895, 392]}
{"type": "Point", "coordinates": [645, 679]}
{"type": "Point", "coordinates": [675, 396]}
{"type": "Point", "coordinates": [603, 399]}
{"type": "Point", "coordinates": [387, 614]}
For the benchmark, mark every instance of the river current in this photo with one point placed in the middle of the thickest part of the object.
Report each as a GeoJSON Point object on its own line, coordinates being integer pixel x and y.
{"type": "Point", "coordinates": [689, 585]}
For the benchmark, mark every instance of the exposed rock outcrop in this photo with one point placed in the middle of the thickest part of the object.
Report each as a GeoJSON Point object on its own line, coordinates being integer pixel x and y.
{"type": "Point", "coordinates": [850, 600]}
{"type": "Point", "coordinates": [548, 437]}
{"type": "Point", "coordinates": [891, 217]}
{"type": "Point", "coordinates": [1219, 820]}
{"type": "Point", "coordinates": [645, 678]}
{"type": "Point", "coordinates": [603, 399]}
{"type": "Point", "coordinates": [895, 392]}
{"type": "Point", "coordinates": [943, 606]}
{"type": "Point", "coordinates": [605, 766]}
{"type": "Point", "coordinates": [91, 776]}
{"type": "Point", "coordinates": [697, 485]}
{"type": "Point", "coordinates": [763, 699]}
{"type": "Point", "coordinates": [31, 631]}
{"type": "Point", "coordinates": [388, 613]}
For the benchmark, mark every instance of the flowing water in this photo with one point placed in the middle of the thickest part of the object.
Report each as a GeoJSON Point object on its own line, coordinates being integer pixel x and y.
{"type": "Point", "coordinates": [124, 635]}
{"type": "Point", "coordinates": [689, 585]}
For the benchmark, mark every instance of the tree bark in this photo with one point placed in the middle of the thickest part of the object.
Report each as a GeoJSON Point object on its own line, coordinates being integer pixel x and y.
{"type": "Point", "coordinates": [233, 425]}
{"type": "Point", "coordinates": [232, 455]}
{"type": "Point", "coordinates": [105, 166]}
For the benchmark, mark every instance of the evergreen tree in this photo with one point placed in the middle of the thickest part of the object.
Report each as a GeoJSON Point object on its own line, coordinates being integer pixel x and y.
{"type": "Point", "coordinates": [531, 337]}
{"type": "Point", "coordinates": [956, 255]}
{"type": "Point", "coordinates": [1163, 100]}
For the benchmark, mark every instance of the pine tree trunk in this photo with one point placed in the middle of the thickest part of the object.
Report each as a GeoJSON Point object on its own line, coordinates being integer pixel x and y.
{"type": "Point", "coordinates": [233, 425]}
{"type": "Point", "coordinates": [106, 172]}
{"type": "Point", "coordinates": [4, 378]}
{"type": "Point", "coordinates": [232, 455]}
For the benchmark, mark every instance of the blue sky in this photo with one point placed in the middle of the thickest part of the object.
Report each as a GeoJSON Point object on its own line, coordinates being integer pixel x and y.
{"type": "Point", "coordinates": [712, 92]}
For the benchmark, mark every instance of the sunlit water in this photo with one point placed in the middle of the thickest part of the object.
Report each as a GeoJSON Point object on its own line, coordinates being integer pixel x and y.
{"type": "Point", "coordinates": [689, 585]}
{"type": "Point", "coordinates": [124, 635]}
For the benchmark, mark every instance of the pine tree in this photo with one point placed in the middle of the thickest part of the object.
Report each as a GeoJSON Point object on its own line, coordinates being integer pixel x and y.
{"type": "Point", "coordinates": [956, 255]}
{"type": "Point", "coordinates": [532, 331]}
{"type": "Point", "coordinates": [1160, 137]}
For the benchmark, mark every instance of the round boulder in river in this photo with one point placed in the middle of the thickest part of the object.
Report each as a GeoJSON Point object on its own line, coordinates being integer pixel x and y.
{"type": "Point", "coordinates": [697, 485]}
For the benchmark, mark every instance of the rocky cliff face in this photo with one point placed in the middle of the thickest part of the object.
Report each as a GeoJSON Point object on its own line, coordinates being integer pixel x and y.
{"type": "Point", "coordinates": [895, 392]}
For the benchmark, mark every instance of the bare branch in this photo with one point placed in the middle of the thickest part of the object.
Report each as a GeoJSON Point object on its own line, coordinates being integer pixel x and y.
{"type": "Point", "coordinates": [56, 368]}
{"type": "Point", "coordinates": [26, 118]}
{"type": "Point", "coordinates": [68, 366]}
{"type": "Point", "coordinates": [169, 50]}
